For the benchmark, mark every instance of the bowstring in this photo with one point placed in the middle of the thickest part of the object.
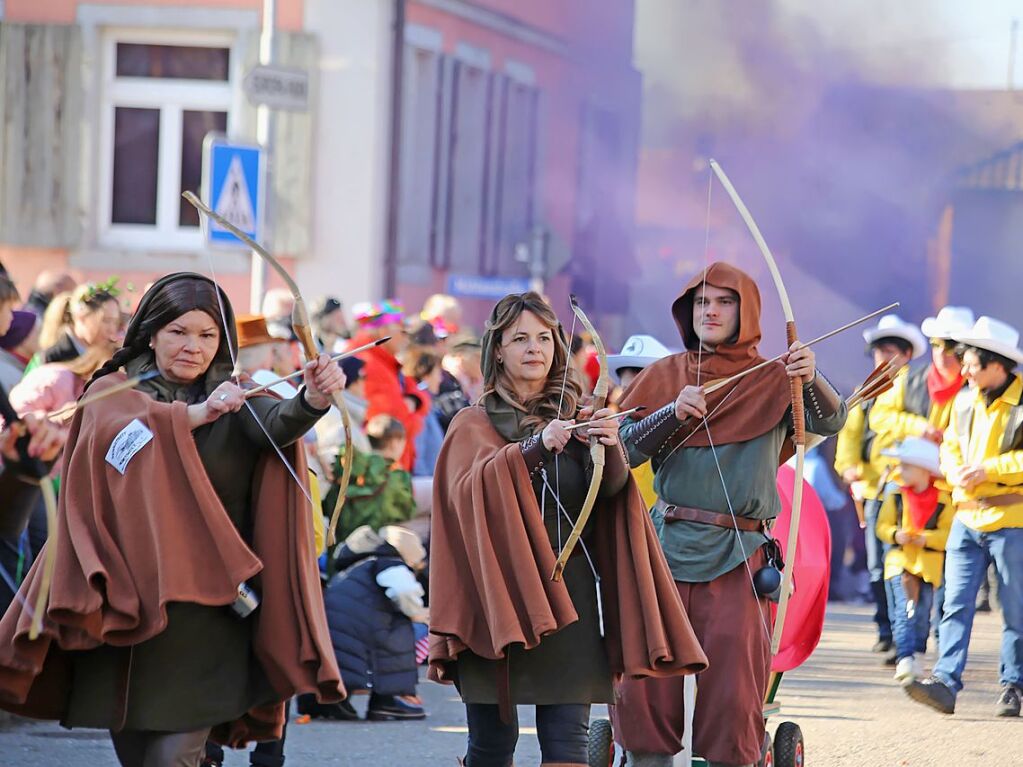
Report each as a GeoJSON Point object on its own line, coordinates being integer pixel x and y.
{"type": "Point", "coordinates": [561, 400]}
{"type": "Point", "coordinates": [248, 405]}
{"type": "Point", "coordinates": [706, 418]}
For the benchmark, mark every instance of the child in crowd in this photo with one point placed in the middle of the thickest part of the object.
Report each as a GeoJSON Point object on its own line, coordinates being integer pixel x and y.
{"type": "Point", "coordinates": [380, 492]}
{"type": "Point", "coordinates": [915, 517]}
{"type": "Point", "coordinates": [372, 605]}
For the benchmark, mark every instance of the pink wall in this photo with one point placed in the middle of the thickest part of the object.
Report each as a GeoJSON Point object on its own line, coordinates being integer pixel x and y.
{"type": "Point", "coordinates": [289, 12]}
{"type": "Point", "coordinates": [24, 264]}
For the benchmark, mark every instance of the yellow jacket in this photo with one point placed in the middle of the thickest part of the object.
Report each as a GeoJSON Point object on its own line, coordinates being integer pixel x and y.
{"type": "Point", "coordinates": [644, 476]}
{"type": "Point", "coordinates": [849, 453]}
{"type": "Point", "coordinates": [976, 435]}
{"type": "Point", "coordinates": [893, 422]}
{"type": "Point", "coordinates": [319, 531]}
{"type": "Point", "coordinates": [927, 561]}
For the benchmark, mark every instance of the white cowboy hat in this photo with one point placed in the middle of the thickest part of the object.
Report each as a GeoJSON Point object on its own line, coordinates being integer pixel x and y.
{"type": "Point", "coordinates": [950, 320]}
{"type": "Point", "coordinates": [893, 326]}
{"type": "Point", "coordinates": [638, 352]}
{"type": "Point", "coordinates": [917, 451]}
{"type": "Point", "coordinates": [993, 336]}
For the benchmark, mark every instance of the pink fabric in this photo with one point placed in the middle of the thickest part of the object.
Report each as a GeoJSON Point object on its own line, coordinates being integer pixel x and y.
{"type": "Point", "coordinates": [46, 388]}
{"type": "Point", "coordinates": [805, 618]}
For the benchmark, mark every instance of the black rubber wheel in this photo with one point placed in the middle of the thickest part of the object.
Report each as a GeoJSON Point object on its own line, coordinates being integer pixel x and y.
{"type": "Point", "coordinates": [788, 745]}
{"type": "Point", "coordinates": [767, 752]}
{"type": "Point", "coordinates": [601, 750]}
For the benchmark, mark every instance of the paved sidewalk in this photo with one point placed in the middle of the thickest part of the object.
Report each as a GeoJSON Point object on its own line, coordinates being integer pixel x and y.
{"type": "Point", "coordinates": [851, 712]}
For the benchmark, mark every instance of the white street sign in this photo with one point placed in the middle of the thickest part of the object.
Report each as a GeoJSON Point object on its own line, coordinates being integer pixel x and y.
{"type": "Point", "coordinates": [278, 87]}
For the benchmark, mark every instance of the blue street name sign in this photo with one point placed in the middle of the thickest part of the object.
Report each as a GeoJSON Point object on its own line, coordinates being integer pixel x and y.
{"type": "Point", "coordinates": [232, 184]}
{"type": "Point", "coordinates": [474, 286]}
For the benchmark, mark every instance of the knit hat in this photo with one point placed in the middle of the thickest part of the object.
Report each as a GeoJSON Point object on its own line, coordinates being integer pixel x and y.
{"type": "Point", "coordinates": [20, 329]}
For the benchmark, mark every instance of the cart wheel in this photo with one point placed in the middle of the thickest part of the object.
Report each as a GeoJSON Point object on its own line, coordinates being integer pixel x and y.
{"type": "Point", "coordinates": [788, 745]}
{"type": "Point", "coordinates": [767, 753]}
{"type": "Point", "coordinates": [601, 750]}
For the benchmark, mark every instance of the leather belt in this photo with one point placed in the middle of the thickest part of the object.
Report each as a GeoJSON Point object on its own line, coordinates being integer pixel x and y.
{"type": "Point", "coordinates": [707, 517]}
{"type": "Point", "coordinates": [1007, 499]}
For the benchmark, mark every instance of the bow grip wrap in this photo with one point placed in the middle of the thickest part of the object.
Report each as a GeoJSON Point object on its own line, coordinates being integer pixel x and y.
{"type": "Point", "coordinates": [796, 390]}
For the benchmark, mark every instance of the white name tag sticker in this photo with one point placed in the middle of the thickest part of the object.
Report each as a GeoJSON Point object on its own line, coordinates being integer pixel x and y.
{"type": "Point", "coordinates": [127, 443]}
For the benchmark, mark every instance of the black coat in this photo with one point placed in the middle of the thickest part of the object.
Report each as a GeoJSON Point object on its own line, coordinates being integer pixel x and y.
{"type": "Point", "coordinates": [373, 640]}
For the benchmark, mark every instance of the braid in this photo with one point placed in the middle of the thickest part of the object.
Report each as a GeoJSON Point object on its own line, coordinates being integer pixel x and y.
{"type": "Point", "coordinates": [120, 358]}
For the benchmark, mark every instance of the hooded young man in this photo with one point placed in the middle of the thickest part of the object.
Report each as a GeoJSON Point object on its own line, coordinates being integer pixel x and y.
{"type": "Point", "coordinates": [716, 459]}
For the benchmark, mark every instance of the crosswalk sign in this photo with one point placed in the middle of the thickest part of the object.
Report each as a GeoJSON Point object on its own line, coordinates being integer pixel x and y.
{"type": "Point", "coordinates": [232, 185]}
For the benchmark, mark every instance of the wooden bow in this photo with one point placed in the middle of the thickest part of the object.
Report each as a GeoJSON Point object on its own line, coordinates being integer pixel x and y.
{"type": "Point", "coordinates": [796, 394]}
{"type": "Point", "coordinates": [302, 326]}
{"type": "Point", "coordinates": [600, 392]}
{"type": "Point", "coordinates": [37, 470]}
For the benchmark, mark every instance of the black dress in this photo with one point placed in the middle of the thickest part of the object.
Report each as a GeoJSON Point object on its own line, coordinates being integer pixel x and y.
{"type": "Point", "coordinates": [200, 671]}
{"type": "Point", "coordinates": [569, 666]}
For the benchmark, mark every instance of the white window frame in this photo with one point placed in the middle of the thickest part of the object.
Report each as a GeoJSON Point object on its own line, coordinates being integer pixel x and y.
{"type": "Point", "coordinates": [172, 97]}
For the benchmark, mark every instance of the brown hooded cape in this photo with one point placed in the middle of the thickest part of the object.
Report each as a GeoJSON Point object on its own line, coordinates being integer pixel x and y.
{"type": "Point", "coordinates": [128, 545]}
{"type": "Point", "coordinates": [742, 417]}
{"type": "Point", "coordinates": [491, 562]}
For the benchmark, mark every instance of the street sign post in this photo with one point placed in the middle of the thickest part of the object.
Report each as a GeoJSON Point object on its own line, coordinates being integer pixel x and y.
{"type": "Point", "coordinates": [232, 184]}
{"type": "Point", "coordinates": [277, 87]}
{"type": "Point", "coordinates": [475, 286]}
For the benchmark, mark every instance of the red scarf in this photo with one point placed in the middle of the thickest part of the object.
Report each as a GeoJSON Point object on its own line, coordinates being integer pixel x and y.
{"type": "Point", "coordinates": [920, 506]}
{"type": "Point", "coordinates": [942, 391]}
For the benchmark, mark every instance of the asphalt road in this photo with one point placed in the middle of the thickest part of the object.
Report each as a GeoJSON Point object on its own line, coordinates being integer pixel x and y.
{"type": "Point", "coordinates": [851, 712]}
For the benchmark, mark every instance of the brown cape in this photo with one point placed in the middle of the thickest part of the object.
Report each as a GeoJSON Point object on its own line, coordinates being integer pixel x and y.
{"type": "Point", "coordinates": [127, 545]}
{"type": "Point", "coordinates": [754, 405]}
{"type": "Point", "coordinates": [491, 562]}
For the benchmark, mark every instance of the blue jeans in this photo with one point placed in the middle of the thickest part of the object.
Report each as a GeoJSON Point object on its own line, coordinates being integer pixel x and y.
{"type": "Point", "coordinates": [967, 556]}
{"type": "Point", "coordinates": [875, 565]}
{"type": "Point", "coordinates": [910, 634]}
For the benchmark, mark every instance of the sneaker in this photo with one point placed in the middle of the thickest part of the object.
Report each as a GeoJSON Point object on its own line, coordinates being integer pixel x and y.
{"type": "Point", "coordinates": [907, 669]}
{"type": "Point", "coordinates": [932, 692]}
{"type": "Point", "coordinates": [983, 606]}
{"type": "Point", "coordinates": [882, 645]}
{"type": "Point", "coordinates": [385, 709]}
{"type": "Point", "coordinates": [336, 712]}
{"type": "Point", "coordinates": [890, 659]}
{"type": "Point", "coordinates": [1009, 701]}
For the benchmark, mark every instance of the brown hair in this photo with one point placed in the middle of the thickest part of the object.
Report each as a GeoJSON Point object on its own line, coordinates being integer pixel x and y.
{"type": "Point", "coordinates": [88, 362]}
{"type": "Point", "coordinates": [8, 291]}
{"type": "Point", "coordinates": [384, 429]}
{"type": "Point", "coordinates": [561, 394]}
{"type": "Point", "coordinates": [420, 362]}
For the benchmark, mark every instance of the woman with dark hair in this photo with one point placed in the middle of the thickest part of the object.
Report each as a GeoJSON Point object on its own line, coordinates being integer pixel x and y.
{"type": "Point", "coordinates": [510, 482]}
{"type": "Point", "coordinates": [185, 597]}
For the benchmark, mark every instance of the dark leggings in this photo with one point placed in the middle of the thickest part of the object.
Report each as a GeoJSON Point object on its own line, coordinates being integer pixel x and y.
{"type": "Point", "coordinates": [562, 730]}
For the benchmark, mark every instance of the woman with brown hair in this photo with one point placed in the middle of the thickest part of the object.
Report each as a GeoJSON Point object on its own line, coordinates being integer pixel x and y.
{"type": "Point", "coordinates": [510, 482]}
{"type": "Point", "coordinates": [185, 597]}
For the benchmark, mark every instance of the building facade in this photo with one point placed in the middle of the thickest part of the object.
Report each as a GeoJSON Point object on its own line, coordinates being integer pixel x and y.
{"type": "Point", "coordinates": [442, 139]}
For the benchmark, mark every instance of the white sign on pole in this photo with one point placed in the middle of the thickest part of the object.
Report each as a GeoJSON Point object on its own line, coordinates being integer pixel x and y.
{"type": "Point", "coordinates": [278, 87]}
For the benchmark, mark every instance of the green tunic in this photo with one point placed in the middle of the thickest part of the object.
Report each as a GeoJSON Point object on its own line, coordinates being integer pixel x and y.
{"type": "Point", "coordinates": [569, 666]}
{"type": "Point", "coordinates": [698, 553]}
{"type": "Point", "coordinates": [200, 671]}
